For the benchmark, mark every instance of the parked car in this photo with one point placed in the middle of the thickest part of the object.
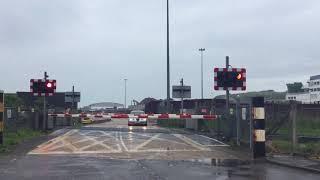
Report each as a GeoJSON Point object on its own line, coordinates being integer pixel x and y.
{"type": "Point", "coordinates": [86, 120]}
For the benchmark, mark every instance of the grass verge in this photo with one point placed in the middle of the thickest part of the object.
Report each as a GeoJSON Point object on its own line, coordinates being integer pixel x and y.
{"type": "Point", "coordinates": [310, 149]}
{"type": "Point", "coordinates": [11, 139]}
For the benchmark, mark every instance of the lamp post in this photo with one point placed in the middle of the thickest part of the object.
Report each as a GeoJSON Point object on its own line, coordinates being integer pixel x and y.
{"type": "Point", "coordinates": [168, 61]}
{"type": "Point", "coordinates": [125, 93]}
{"type": "Point", "coordinates": [201, 51]}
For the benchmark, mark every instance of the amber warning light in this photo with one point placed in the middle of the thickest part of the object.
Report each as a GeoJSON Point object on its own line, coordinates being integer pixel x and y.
{"type": "Point", "coordinates": [239, 76]}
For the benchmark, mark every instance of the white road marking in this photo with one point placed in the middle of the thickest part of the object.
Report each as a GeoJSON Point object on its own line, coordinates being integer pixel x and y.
{"type": "Point", "coordinates": [119, 146]}
{"type": "Point", "coordinates": [170, 150]}
{"type": "Point", "coordinates": [57, 139]}
{"type": "Point", "coordinates": [160, 139]}
{"type": "Point", "coordinates": [222, 144]}
{"type": "Point", "coordinates": [191, 142]}
{"type": "Point", "coordinates": [146, 142]}
{"type": "Point", "coordinates": [97, 143]}
{"type": "Point", "coordinates": [122, 143]}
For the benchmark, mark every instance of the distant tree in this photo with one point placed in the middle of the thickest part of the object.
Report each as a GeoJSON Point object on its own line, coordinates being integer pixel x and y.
{"type": "Point", "coordinates": [12, 100]}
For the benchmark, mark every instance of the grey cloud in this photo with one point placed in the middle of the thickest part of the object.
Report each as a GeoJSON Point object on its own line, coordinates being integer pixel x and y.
{"type": "Point", "coordinates": [96, 44]}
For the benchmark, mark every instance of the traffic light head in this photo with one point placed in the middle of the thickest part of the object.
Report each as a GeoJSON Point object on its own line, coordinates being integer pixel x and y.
{"type": "Point", "coordinates": [40, 87]}
{"type": "Point", "coordinates": [230, 79]}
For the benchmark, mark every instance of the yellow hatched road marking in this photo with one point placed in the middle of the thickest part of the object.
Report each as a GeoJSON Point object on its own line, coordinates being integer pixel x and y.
{"type": "Point", "coordinates": [147, 142]}
{"type": "Point", "coordinates": [191, 142]}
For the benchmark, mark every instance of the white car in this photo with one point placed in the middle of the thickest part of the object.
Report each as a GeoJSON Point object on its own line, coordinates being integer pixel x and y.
{"type": "Point", "coordinates": [138, 121]}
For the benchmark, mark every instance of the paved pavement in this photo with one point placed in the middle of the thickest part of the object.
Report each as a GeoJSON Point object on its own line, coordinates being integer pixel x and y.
{"type": "Point", "coordinates": [113, 151]}
{"type": "Point", "coordinates": [117, 140]}
{"type": "Point", "coordinates": [295, 162]}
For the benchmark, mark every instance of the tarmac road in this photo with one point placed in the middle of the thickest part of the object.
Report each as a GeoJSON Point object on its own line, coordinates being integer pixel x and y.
{"type": "Point", "coordinates": [112, 150]}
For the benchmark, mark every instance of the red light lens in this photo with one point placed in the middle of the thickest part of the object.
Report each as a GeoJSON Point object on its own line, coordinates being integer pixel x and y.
{"type": "Point", "coordinates": [49, 85]}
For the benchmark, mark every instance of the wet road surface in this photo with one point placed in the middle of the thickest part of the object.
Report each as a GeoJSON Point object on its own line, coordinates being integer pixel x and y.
{"type": "Point", "coordinates": [113, 151]}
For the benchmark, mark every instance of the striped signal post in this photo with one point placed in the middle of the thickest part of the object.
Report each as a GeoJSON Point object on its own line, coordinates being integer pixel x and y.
{"type": "Point", "coordinates": [1, 116]}
{"type": "Point", "coordinates": [259, 138]}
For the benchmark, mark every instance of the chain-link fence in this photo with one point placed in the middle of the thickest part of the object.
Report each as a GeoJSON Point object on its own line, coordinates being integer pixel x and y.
{"type": "Point", "coordinates": [290, 126]}
{"type": "Point", "coordinates": [294, 128]}
{"type": "Point", "coordinates": [16, 119]}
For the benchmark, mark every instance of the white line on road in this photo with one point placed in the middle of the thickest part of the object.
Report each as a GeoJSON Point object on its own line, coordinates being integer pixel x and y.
{"type": "Point", "coordinates": [191, 142]}
{"type": "Point", "coordinates": [160, 139]}
{"type": "Point", "coordinates": [146, 142]}
{"type": "Point", "coordinates": [122, 143]}
{"type": "Point", "coordinates": [214, 140]}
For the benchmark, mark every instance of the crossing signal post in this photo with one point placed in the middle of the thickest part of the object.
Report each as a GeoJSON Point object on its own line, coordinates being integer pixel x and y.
{"type": "Point", "coordinates": [229, 79]}
{"type": "Point", "coordinates": [43, 87]}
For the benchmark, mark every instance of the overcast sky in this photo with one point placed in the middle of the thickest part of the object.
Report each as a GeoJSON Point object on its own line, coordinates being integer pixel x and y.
{"type": "Point", "coordinates": [95, 44]}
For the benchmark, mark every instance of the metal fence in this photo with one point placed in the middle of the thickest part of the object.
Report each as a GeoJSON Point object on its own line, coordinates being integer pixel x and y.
{"type": "Point", "coordinates": [16, 119]}
{"type": "Point", "coordinates": [290, 126]}
{"type": "Point", "coordinates": [294, 128]}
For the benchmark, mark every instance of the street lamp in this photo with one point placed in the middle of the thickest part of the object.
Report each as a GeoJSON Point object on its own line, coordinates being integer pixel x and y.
{"type": "Point", "coordinates": [125, 93]}
{"type": "Point", "coordinates": [168, 61]}
{"type": "Point", "coordinates": [201, 50]}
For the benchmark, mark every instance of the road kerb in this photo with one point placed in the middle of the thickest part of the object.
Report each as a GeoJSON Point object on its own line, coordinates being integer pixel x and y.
{"type": "Point", "coordinates": [293, 166]}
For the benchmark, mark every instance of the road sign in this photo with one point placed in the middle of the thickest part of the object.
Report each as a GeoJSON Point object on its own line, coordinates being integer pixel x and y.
{"type": "Point", "coordinates": [1, 116]}
{"type": "Point", "coordinates": [68, 97]}
{"type": "Point", "coordinates": [244, 113]}
{"type": "Point", "coordinates": [230, 79]}
{"type": "Point", "coordinates": [9, 113]}
{"type": "Point", "coordinates": [204, 110]}
{"type": "Point", "coordinates": [41, 87]}
{"type": "Point", "coordinates": [181, 91]}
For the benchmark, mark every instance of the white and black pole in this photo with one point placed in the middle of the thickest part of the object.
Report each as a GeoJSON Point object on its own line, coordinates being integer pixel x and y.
{"type": "Point", "coordinates": [259, 137]}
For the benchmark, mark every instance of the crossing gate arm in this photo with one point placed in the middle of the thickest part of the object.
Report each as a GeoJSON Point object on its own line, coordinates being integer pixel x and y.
{"type": "Point", "coordinates": [127, 116]}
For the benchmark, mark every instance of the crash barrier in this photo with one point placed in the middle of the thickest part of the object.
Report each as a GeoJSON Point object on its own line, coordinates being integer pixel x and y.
{"type": "Point", "coordinates": [259, 137]}
{"type": "Point", "coordinates": [127, 116]}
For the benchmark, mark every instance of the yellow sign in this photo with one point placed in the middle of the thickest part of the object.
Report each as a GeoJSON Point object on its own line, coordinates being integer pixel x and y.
{"type": "Point", "coordinates": [258, 113]}
{"type": "Point", "coordinates": [1, 126]}
{"type": "Point", "coordinates": [1, 107]}
{"type": "Point", "coordinates": [260, 135]}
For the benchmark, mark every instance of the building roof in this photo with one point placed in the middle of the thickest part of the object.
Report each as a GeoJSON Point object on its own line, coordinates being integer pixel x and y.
{"type": "Point", "coordinates": [315, 77]}
{"type": "Point", "coordinates": [106, 104]}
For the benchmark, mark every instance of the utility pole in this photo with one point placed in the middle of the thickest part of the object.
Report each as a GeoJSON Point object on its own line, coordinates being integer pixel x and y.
{"type": "Point", "coordinates": [227, 90]}
{"type": "Point", "coordinates": [227, 103]}
{"type": "Point", "coordinates": [72, 99]}
{"type": "Point", "coordinates": [182, 94]}
{"type": "Point", "coordinates": [125, 93]}
{"type": "Point", "coordinates": [201, 50]}
{"type": "Point", "coordinates": [44, 106]}
{"type": "Point", "coordinates": [168, 61]}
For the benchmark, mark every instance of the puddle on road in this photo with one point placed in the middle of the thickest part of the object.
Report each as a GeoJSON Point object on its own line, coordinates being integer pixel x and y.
{"type": "Point", "coordinates": [222, 162]}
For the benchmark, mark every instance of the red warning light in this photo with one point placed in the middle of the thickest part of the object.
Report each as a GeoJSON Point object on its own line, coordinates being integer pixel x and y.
{"type": "Point", "coordinates": [239, 76]}
{"type": "Point", "coordinates": [49, 85]}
